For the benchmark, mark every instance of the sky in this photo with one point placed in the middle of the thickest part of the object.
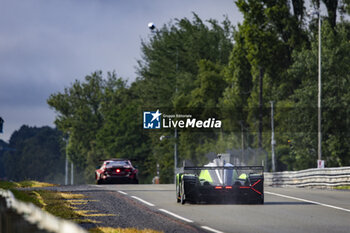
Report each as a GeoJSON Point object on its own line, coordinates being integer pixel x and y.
{"type": "Point", "coordinates": [47, 44]}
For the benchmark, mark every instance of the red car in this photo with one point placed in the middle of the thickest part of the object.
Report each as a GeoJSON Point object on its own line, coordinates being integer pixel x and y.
{"type": "Point", "coordinates": [116, 171]}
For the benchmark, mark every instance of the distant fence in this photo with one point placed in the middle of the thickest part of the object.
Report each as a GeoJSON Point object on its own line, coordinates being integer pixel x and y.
{"type": "Point", "coordinates": [17, 217]}
{"type": "Point", "coordinates": [315, 177]}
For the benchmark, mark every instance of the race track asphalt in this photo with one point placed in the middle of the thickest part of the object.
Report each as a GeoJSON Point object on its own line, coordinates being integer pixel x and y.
{"type": "Point", "coordinates": [285, 210]}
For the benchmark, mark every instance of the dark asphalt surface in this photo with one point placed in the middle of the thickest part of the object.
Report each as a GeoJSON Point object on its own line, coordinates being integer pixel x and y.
{"type": "Point", "coordinates": [285, 210]}
{"type": "Point", "coordinates": [119, 210]}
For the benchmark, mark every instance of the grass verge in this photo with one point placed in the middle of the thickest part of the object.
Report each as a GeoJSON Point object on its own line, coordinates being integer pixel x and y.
{"type": "Point", "coordinates": [62, 204]}
{"type": "Point", "coordinates": [25, 196]}
{"type": "Point", "coordinates": [24, 184]}
{"type": "Point", "coordinates": [50, 201]}
{"type": "Point", "coordinates": [343, 187]}
{"type": "Point", "coordinates": [121, 230]}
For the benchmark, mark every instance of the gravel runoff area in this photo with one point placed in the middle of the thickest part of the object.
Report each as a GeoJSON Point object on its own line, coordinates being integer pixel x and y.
{"type": "Point", "coordinates": [118, 210]}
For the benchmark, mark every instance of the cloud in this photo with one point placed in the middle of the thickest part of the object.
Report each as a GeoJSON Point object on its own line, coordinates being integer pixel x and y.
{"type": "Point", "coordinates": [46, 45]}
{"type": "Point", "coordinates": [26, 115]}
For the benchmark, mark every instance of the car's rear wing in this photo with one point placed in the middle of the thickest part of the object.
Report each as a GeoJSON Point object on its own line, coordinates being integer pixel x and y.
{"type": "Point", "coordinates": [251, 170]}
{"type": "Point", "coordinates": [116, 159]}
{"type": "Point", "coordinates": [261, 168]}
{"type": "Point", "coordinates": [225, 175]}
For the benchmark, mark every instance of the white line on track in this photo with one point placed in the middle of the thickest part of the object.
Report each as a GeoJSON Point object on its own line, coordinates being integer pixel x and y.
{"type": "Point", "coordinates": [313, 202]}
{"type": "Point", "coordinates": [122, 192]}
{"type": "Point", "coordinates": [211, 229]}
{"type": "Point", "coordinates": [143, 201]}
{"type": "Point", "coordinates": [176, 216]}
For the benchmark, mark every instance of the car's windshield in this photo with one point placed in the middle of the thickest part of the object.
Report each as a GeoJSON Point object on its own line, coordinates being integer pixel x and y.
{"type": "Point", "coordinates": [117, 163]}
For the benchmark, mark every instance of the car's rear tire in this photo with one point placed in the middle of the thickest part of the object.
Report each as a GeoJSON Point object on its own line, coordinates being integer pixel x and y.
{"type": "Point", "coordinates": [99, 181]}
{"type": "Point", "coordinates": [190, 186]}
{"type": "Point", "coordinates": [182, 192]}
{"type": "Point", "coordinates": [178, 195]}
{"type": "Point", "coordinates": [261, 200]}
{"type": "Point", "coordinates": [177, 184]}
{"type": "Point", "coordinates": [135, 181]}
{"type": "Point", "coordinates": [183, 200]}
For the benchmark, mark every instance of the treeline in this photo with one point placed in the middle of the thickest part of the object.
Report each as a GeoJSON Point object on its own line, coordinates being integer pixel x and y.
{"type": "Point", "coordinates": [215, 69]}
{"type": "Point", "coordinates": [33, 154]}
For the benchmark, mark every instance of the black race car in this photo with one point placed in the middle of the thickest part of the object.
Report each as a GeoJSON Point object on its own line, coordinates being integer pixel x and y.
{"type": "Point", "coordinates": [116, 171]}
{"type": "Point", "coordinates": [220, 182]}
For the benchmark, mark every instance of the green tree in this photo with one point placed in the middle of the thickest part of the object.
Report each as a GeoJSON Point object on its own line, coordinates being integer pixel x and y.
{"type": "Point", "coordinates": [31, 146]}
{"type": "Point", "coordinates": [332, 7]}
{"type": "Point", "coordinates": [122, 134]}
{"type": "Point", "coordinates": [169, 65]}
{"type": "Point", "coordinates": [182, 71]}
{"type": "Point", "coordinates": [102, 118]}
{"type": "Point", "coordinates": [3, 148]}
{"type": "Point", "coordinates": [263, 46]}
{"type": "Point", "coordinates": [79, 116]}
{"type": "Point", "coordinates": [335, 89]}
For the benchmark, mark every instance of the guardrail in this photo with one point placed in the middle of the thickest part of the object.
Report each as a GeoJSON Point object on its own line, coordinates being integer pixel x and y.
{"type": "Point", "coordinates": [315, 177]}
{"type": "Point", "coordinates": [17, 217]}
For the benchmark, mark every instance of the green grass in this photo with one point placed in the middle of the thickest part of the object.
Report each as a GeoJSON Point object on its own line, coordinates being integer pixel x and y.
{"type": "Point", "coordinates": [121, 230]}
{"type": "Point", "coordinates": [343, 187]}
{"type": "Point", "coordinates": [20, 195]}
{"type": "Point", "coordinates": [62, 204]}
{"type": "Point", "coordinates": [50, 201]}
{"type": "Point", "coordinates": [26, 196]}
{"type": "Point", "coordinates": [55, 204]}
{"type": "Point", "coordinates": [33, 184]}
{"type": "Point", "coordinates": [23, 184]}
{"type": "Point", "coordinates": [8, 185]}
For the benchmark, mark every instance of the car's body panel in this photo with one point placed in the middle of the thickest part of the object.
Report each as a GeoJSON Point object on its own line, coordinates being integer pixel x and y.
{"type": "Point", "coordinates": [233, 184]}
{"type": "Point", "coordinates": [116, 171]}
